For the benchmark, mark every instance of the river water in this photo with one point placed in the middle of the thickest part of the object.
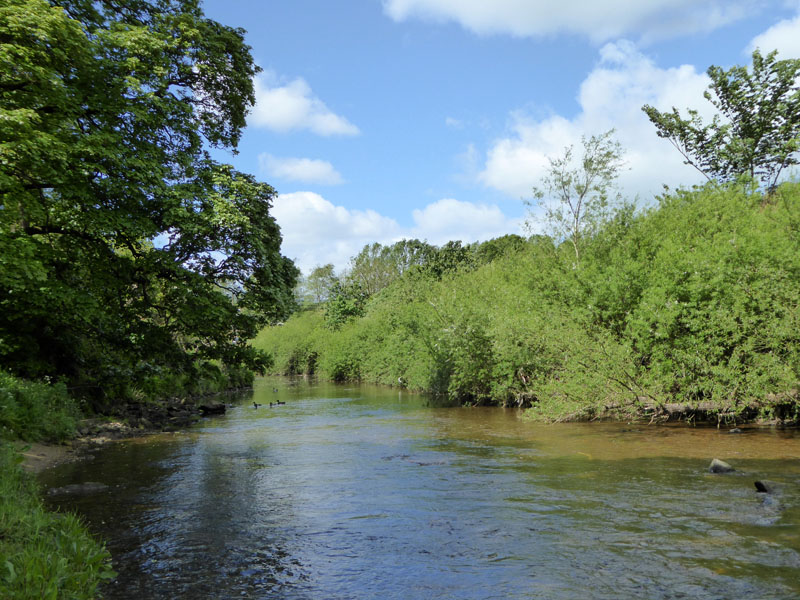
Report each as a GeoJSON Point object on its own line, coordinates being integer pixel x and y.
{"type": "Point", "coordinates": [358, 492]}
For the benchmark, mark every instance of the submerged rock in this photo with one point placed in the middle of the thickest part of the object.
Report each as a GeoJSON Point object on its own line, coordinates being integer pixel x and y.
{"type": "Point", "coordinates": [720, 466]}
{"type": "Point", "coordinates": [78, 489]}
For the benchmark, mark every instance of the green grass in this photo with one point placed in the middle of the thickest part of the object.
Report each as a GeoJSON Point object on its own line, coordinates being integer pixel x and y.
{"type": "Point", "coordinates": [43, 555]}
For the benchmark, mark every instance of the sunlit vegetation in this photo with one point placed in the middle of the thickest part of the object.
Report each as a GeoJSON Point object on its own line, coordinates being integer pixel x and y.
{"type": "Point", "coordinates": [688, 306]}
{"type": "Point", "coordinates": [692, 302]}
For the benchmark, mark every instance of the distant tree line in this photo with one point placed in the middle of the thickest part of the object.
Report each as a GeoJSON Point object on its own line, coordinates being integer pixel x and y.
{"type": "Point", "coordinates": [377, 267]}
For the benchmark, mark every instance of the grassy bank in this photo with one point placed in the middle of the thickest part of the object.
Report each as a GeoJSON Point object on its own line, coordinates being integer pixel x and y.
{"type": "Point", "coordinates": [687, 309]}
{"type": "Point", "coordinates": [45, 554]}
{"type": "Point", "coordinates": [34, 411]}
{"type": "Point", "coordinates": [51, 555]}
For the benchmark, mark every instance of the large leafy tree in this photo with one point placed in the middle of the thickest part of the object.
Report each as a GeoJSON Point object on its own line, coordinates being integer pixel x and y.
{"type": "Point", "coordinates": [124, 247]}
{"type": "Point", "coordinates": [756, 131]}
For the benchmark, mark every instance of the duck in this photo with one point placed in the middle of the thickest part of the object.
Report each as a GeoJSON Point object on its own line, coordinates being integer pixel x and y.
{"type": "Point", "coordinates": [256, 405]}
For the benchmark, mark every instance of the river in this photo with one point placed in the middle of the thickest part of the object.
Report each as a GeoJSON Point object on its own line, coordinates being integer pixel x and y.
{"type": "Point", "coordinates": [360, 492]}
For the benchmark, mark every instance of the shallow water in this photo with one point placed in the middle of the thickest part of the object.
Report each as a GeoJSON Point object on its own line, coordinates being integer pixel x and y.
{"type": "Point", "coordinates": [362, 492]}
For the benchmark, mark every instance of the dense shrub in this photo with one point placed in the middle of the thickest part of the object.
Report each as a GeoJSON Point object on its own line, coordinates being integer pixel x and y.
{"type": "Point", "coordinates": [34, 411]}
{"type": "Point", "coordinates": [694, 301]}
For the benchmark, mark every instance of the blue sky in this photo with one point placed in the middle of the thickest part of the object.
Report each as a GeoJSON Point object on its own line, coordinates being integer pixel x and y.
{"type": "Point", "coordinates": [383, 119]}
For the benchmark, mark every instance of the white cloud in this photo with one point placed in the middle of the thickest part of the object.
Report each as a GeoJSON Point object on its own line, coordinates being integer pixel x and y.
{"type": "Point", "coordinates": [450, 219]}
{"type": "Point", "coordinates": [288, 106]}
{"type": "Point", "coordinates": [783, 37]}
{"type": "Point", "coordinates": [600, 21]}
{"type": "Point", "coordinates": [317, 232]}
{"type": "Point", "coordinates": [304, 170]}
{"type": "Point", "coordinates": [611, 96]}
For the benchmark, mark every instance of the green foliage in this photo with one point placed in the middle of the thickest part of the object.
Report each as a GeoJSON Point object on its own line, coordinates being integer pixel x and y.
{"type": "Point", "coordinates": [125, 250]}
{"type": "Point", "coordinates": [347, 301]}
{"type": "Point", "coordinates": [316, 288]}
{"type": "Point", "coordinates": [376, 266]}
{"type": "Point", "coordinates": [44, 555]}
{"type": "Point", "coordinates": [490, 250]}
{"type": "Point", "coordinates": [717, 318]}
{"type": "Point", "coordinates": [576, 198]}
{"type": "Point", "coordinates": [34, 411]}
{"type": "Point", "coordinates": [448, 259]}
{"type": "Point", "coordinates": [199, 379]}
{"type": "Point", "coordinates": [295, 343]}
{"type": "Point", "coordinates": [756, 132]}
{"type": "Point", "coordinates": [693, 302]}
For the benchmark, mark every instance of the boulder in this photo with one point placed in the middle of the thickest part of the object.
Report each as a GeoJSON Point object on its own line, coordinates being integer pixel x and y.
{"type": "Point", "coordinates": [720, 466]}
{"type": "Point", "coordinates": [767, 487]}
{"type": "Point", "coordinates": [216, 408]}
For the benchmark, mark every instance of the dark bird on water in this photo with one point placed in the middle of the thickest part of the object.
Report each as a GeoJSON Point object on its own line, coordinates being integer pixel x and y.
{"type": "Point", "coordinates": [256, 405]}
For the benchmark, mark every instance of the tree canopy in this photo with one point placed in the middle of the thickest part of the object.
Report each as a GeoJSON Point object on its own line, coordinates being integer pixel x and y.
{"type": "Point", "coordinates": [756, 131]}
{"type": "Point", "coordinates": [125, 249]}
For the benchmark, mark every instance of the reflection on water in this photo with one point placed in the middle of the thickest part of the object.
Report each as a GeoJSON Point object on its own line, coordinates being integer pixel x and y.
{"type": "Point", "coordinates": [360, 492]}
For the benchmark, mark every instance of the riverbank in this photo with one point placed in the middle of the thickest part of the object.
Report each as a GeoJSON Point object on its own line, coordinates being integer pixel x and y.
{"type": "Point", "coordinates": [39, 456]}
{"type": "Point", "coordinates": [53, 554]}
{"type": "Point", "coordinates": [132, 420]}
{"type": "Point", "coordinates": [46, 554]}
{"type": "Point", "coordinates": [686, 310]}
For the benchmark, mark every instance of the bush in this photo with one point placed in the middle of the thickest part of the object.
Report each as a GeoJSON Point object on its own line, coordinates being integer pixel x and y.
{"type": "Point", "coordinates": [691, 302]}
{"type": "Point", "coordinates": [36, 411]}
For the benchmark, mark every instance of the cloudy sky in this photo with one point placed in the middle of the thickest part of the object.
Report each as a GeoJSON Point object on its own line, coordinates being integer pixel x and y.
{"type": "Point", "coordinates": [383, 119]}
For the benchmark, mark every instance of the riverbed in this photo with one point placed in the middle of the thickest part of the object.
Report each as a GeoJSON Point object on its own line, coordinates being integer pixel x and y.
{"type": "Point", "coordinates": [359, 492]}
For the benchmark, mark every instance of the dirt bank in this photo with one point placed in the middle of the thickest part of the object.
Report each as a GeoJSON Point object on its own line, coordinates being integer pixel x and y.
{"type": "Point", "coordinates": [37, 457]}
{"type": "Point", "coordinates": [133, 420]}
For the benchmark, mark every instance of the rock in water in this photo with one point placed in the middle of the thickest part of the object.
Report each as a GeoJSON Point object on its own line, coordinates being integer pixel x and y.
{"type": "Point", "coordinates": [720, 466]}
{"type": "Point", "coordinates": [79, 489]}
{"type": "Point", "coordinates": [217, 408]}
{"type": "Point", "coordinates": [763, 487]}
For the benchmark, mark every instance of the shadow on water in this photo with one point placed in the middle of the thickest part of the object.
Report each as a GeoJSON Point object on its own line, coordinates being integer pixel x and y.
{"type": "Point", "coordinates": [363, 492]}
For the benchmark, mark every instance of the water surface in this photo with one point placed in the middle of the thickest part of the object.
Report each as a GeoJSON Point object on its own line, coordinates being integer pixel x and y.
{"type": "Point", "coordinates": [362, 492]}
